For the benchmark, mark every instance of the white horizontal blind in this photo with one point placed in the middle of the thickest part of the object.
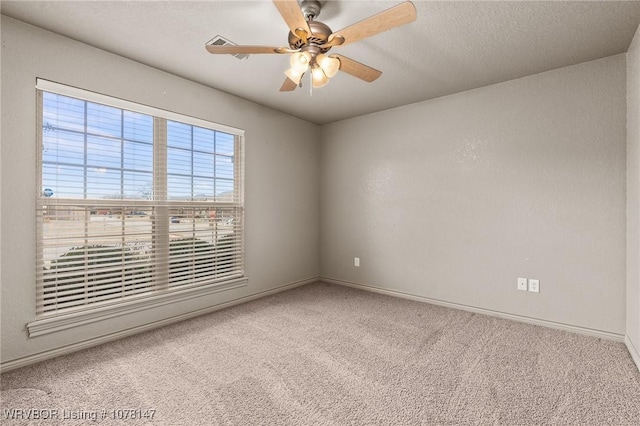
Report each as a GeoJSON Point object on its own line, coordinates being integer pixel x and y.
{"type": "Point", "coordinates": [132, 204]}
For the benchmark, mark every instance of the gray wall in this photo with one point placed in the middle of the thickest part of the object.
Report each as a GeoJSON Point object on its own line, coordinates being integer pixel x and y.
{"type": "Point", "coordinates": [633, 198]}
{"type": "Point", "coordinates": [449, 199]}
{"type": "Point", "coordinates": [452, 199]}
{"type": "Point", "coordinates": [281, 170]}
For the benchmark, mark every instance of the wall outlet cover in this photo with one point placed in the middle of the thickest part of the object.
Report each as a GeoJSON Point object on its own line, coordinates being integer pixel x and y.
{"type": "Point", "coordinates": [522, 284]}
{"type": "Point", "coordinates": [534, 286]}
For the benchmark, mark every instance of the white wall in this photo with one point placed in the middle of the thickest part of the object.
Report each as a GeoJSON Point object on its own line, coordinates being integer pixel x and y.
{"type": "Point", "coordinates": [633, 198]}
{"type": "Point", "coordinates": [282, 177]}
{"type": "Point", "coordinates": [452, 199]}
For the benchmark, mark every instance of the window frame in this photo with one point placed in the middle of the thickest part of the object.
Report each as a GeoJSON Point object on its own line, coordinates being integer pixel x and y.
{"type": "Point", "coordinates": [158, 296]}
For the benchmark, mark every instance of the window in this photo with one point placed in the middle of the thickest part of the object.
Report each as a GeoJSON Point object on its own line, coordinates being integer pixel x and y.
{"type": "Point", "coordinates": [135, 204]}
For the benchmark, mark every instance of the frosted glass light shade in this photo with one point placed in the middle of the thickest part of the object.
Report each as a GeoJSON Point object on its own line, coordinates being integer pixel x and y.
{"type": "Point", "coordinates": [329, 65]}
{"type": "Point", "coordinates": [294, 75]}
{"type": "Point", "coordinates": [318, 78]}
{"type": "Point", "coordinates": [300, 61]}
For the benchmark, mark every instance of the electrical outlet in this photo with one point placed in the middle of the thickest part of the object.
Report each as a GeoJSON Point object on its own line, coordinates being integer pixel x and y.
{"type": "Point", "coordinates": [356, 261]}
{"type": "Point", "coordinates": [534, 286]}
{"type": "Point", "coordinates": [522, 284]}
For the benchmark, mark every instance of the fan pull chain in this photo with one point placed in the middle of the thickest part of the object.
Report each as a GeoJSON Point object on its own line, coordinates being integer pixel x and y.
{"type": "Point", "coordinates": [310, 83]}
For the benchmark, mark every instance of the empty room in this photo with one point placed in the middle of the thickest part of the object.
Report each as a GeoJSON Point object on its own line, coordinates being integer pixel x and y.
{"type": "Point", "coordinates": [320, 212]}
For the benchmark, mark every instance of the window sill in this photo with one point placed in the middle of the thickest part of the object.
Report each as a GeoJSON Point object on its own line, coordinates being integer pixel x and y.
{"type": "Point", "coordinates": [77, 319]}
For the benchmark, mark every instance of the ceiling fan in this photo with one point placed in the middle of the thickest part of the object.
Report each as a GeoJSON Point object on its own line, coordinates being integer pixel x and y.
{"type": "Point", "coordinates": [310, 40]}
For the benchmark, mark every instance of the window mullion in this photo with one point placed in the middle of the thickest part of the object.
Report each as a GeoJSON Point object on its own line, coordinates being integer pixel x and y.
{"type": "Point", "coordinates": [160, 237]}
{"type": "Point", "coordinates": [87, 269]}
{"type": "Point", "coordinates": [122, 187]}
{"type": "Point", "coordinates": [191, 153]}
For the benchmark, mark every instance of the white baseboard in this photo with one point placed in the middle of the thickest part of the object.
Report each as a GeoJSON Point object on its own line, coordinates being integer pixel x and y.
{"type": "Point", "coordinates": [559, 326]}
{"type": "Point", "coordinates": [635, 355]}
{"type": "Point", "coordinates": [42, 356]}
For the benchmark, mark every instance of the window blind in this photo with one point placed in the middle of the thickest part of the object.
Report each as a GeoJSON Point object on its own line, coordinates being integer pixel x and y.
{"type": "Point", "coordinates": [134, 201]}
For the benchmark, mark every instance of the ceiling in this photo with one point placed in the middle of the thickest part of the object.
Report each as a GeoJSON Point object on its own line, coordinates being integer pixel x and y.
{"type": "Point", "coordinates": [451, 47]}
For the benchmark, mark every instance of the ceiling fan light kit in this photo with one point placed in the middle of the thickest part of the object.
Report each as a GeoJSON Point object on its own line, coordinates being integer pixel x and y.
{"type": "Point", "coordinates": [310, 40]}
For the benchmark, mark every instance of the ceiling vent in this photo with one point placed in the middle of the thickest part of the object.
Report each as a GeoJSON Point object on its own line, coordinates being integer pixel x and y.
{"type": "Point", "coordinates": [221, 41]}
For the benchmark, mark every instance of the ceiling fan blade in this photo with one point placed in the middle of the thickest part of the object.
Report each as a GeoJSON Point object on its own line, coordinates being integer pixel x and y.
{"type": "Point", "coordinates": [288, 85]}
{"type": "Point", "coordinates": [292, 15]}
{"type": "Point", "coordinates": [383, 21]}
{"type": "Point", "coordinates": [356, 69]}
{"type": "Point", "coordinates": [233, 50]}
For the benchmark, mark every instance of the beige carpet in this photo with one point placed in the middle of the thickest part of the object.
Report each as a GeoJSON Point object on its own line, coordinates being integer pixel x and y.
{"type": "Point", "coordinates": [328, 355]}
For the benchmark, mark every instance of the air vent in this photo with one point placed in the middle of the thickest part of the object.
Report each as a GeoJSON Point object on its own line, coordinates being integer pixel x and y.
{"type": "Point", "coordinates": [221, 41]}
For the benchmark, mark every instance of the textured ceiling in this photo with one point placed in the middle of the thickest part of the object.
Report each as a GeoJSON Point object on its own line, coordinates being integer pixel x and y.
{"type": "Point", "coordinates": [451, 47]}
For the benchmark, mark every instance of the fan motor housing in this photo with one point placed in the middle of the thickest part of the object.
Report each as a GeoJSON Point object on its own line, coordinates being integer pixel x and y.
{"type": "Point", "coordinates": [319, 35]}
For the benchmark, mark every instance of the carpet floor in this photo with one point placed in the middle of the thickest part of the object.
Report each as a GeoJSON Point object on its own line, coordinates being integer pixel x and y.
{"type": "Point", "coordinates": [323, 354]}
